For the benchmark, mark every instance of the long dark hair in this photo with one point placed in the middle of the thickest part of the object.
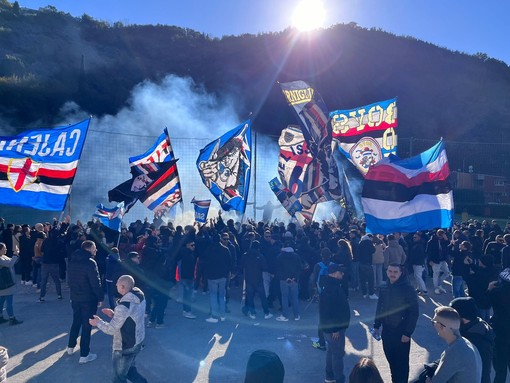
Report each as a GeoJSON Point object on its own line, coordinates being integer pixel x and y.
{"type": "Point", "coordinates": [365, 371]}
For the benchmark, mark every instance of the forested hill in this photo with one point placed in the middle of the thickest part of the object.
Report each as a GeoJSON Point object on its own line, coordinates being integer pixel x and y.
{"type": "Point", "coordinates": [48, 57]}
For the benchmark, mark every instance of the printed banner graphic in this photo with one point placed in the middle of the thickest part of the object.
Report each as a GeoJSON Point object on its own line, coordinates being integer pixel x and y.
{"type": "Point", "coordinates": [307, 149]}
{"type": "Point", "coordinates": [409, 195]}
{"type": "Point", "coordinates": [37, 167]}
{"type": "Point", "coordinates": [201, 209]}
{"type": "Point", "coordinates": [366, 134]}
{"type": "Point", "coordinates": [225, 166]}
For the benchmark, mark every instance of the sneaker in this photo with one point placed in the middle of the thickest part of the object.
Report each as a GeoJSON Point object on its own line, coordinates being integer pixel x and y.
{"type": "Point", "coordinates": [437, 291]}
{"type": "Point", "coordinates": [150, 324]}
{"type": "Point", "coordinates": [28, 283]}
{"type": "Point", "coordinates": [318, 346]}
{"type": "Point", "coordinates": [442, 290]}
{"type": "Point", "coordinates": [22, 282]}
{"type": "Point", "coordinates": [188, 315]}
{"type": "Point", "coordinates": [373, 296]}
{"type": "Point", "coordinates": [365, 296]}
{"type": "Point", "coordinates": [423, 293]}
{"type": "Point", "coordinates": [223, 319]}
{"type": "Point", "coordinates": [89, 358]}
{"type": "Point", "coordinates": [59, 297]}
{"type": "Point", "coordinates": [41, 299]}
{"type": "Point", "coordinates": [252, 316]}
{"type": "Point", "coordinates": [70, 350]}
{"type": "Point", "coordinates": [268, 316]}
{"type": "Point", "coordinates": [160, 325]}
{"type": "Point", "coordinates": [329, 381]}
{"type": "Point", "coordinates": [13, 321]}
{"type": "Point", "coordinates": [282, 318]}
{"type": "Point", "coordinates": [212, 320]}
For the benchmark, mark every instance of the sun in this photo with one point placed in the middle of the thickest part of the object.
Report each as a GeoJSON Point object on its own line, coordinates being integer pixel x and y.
{"type": "Point", "coordinates": [308, 15]}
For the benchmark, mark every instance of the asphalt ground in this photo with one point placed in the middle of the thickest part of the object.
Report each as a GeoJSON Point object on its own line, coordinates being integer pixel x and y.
{"type": "Point", "coordinates": [192, 350]}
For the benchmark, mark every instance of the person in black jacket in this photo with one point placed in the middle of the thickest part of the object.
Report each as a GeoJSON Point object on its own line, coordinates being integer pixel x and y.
{"type": "Point", "coordinates": [188, 261]}
{"type": "Point", "coordinates": [53, 254]}
{"type": "Point", "coordinates": [254, 265]}
{"type": "Point", "coordinates": [86, 296]}
{"type": "Point", "coordinates": [216, 269]}
{"type": "Point", "coordinates": [366, 249]}
{"type": "Point", "coordinates": [498, 294]}
{"type": "Point", "coordinates": [397, 312]}
{"type": "Point", "coordinates": [477, 331]}
{"type": "Point", "coordinates": [289, 270]}
{"type": "Point", "coordinates": [334, 318]}
{"type": "Point", "coordinates": [113, 271]}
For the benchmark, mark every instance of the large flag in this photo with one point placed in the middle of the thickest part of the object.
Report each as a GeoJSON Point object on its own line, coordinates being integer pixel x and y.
{"type": "Point", "coordinates": [37, 167]}
{"type": "Point", "coordinates": [225, 167]}
{"type": "Point", "coordinates": [289, 201]}
{"type": "Point", "coordinates": [110, 217]}
{"type": "Point", "coordinates": [201, 209]}
{"type": "Point", "coordinates": [322, 178]}
{"type": "Point", "coordinates": [366, 134]}
{"type": "Point", "coordinates": [145, 186]}
{"type": "Point", "coordinates": [168, 191]}
{"type": "Point", "coordinates": [298, 171]}
{"type": "Point", "coordinates": [409, 195]}
{"type": "Point", "coordinates": [164, 191]}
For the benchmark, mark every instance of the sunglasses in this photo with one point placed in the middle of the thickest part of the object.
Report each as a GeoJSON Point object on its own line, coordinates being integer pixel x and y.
{"type": "Point", "coordinates": [191, 245]}
{"type": "Point", "coordinates": [439, 323]}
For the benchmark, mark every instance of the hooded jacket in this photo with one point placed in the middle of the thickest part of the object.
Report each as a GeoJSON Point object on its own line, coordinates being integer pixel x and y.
{"type": "Point", "coordinates": [394, 253]}
{"type": "Point", "coordinates": [289, 264]}
{"type": "Point", "coordinates": [334, 309]}
{"type": "Point", "coordinates": [481, 335]}
{"type": "Point", "coordinates": [397, 307]}
{"type": "Point", "coordinates": [127, 325]}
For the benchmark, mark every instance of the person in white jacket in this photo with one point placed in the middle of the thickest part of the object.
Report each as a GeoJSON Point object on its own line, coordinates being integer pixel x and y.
{"type": "Point", "coordinates": [128, 329]}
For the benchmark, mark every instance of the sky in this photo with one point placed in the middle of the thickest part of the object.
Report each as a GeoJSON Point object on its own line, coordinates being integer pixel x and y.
{"type": "Point", "coordinates": [469, 26]}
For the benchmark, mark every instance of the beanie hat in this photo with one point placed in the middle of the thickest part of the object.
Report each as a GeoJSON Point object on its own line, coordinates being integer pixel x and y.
{"type": "Point", "coordinates": [466, 307]}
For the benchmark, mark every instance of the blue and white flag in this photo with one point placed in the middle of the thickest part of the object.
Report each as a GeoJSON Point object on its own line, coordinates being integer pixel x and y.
{"type": "Point", "coordinates": [201, 209]}
{"type": "Point", "coordinates": [168, 191]}
{"type": "Point", "coordinates": [37, 167]}
{"type": "Point", "coordinates": [409, 195]}
{"type": "Point", "coordinates": [110, 217]}
{"type": "Point", "coordinates": [225, 167]}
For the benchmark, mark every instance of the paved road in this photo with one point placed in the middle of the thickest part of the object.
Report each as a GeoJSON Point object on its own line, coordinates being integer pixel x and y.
{"type": "Point", "coordinates": [197, 351]}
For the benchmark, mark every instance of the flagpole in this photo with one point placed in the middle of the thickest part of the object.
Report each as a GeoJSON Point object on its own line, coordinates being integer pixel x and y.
{"type": "Point", "coordinates": [255, 176]}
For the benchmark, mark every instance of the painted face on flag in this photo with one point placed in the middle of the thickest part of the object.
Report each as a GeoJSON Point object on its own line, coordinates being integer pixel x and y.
{"type": "Point", "coordinates": [140, 183]}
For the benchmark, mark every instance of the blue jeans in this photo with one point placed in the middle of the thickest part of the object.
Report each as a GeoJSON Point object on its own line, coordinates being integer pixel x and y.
{"type": "Point", "coordinates": [289, 293]}
{"type": "Point", "coordinates": [457, 286]}
{"type": "Point", "coordinates": [335, 357]}
{"type": "Point", "coordinates": [111, 290]}
{"type": "Point", "coordinates": [8, 307]}
{"type": "Point", "coordinates": [217, 296]}
{"type": "Point", "coordinates": [354, 275]}
{"type": "Point", "coordinates": [124, 366]}
{"type": "Point", "coordinates": [187, 290]}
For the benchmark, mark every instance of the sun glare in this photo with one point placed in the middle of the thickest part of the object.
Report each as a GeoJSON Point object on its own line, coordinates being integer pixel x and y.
{"type": "Point", "coordinates": [308, 15]}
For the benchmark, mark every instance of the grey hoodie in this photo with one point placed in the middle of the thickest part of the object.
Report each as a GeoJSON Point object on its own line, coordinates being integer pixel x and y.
{"type": "Point", "coordinates": [127, 324]}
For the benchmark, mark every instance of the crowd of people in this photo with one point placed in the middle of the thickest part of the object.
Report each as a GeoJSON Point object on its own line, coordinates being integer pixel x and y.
{"type": "Point", "coordinates": [280, 264]}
